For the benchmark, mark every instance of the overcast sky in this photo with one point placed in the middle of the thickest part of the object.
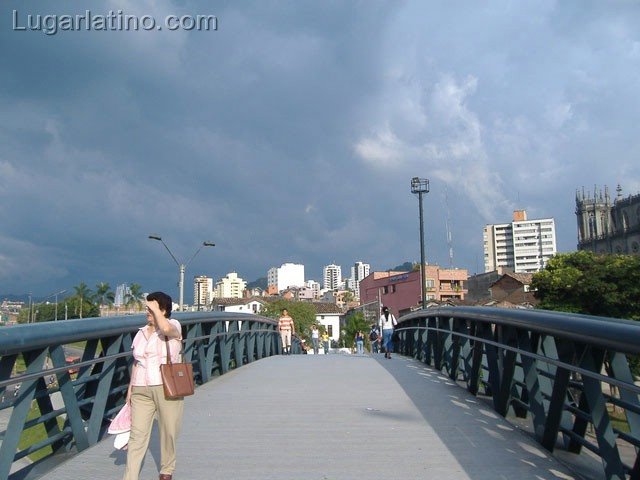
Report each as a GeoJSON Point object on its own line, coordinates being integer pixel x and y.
{"type": "Point", "coordinates": [291, 133]}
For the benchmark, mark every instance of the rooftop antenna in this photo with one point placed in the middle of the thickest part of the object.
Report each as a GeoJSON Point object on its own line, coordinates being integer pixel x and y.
{"type": "Point", "coordinates": [449, 236]}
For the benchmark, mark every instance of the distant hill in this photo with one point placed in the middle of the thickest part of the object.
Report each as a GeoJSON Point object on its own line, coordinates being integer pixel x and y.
{"type": "Point", "coordinates": [12, 297]}
{"type": "Point", "coordinates": [405, 267]}
{"type": "Point", "coordinates": [259, 283]}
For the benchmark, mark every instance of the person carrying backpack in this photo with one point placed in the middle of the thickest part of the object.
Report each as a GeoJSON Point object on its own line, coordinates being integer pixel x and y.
{"type": "Point", "coordinates": [374, 338]}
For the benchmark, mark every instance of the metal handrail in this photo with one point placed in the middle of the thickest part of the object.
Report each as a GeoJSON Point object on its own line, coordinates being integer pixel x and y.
{"type": "Point", "coordinates": [548, 366]}
{"type": "Point", "coordinates": [214, 342]}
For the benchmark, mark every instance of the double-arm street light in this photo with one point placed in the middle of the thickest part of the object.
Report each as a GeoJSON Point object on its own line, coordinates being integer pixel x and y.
{"type": "Point", "coordinates": [56, 295]}
{"type": "Point", "coordinates": [181, 266]}
{"type": "Point", "coordinates": [421, 186]}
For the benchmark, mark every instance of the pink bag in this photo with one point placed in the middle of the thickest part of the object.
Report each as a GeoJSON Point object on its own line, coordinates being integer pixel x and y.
{"type": "Point", "coordinates": [120, 427]}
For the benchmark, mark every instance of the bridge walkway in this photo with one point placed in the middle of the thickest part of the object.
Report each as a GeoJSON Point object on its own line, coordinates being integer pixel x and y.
{"type": "Point", "coordinates": [331, 417]}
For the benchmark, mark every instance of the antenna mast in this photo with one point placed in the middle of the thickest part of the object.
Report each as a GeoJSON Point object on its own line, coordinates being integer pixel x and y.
{"type": "Point", "coordinates": [449, 236]}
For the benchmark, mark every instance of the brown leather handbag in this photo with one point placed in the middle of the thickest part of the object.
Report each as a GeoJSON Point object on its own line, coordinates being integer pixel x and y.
{"type": "Point", "coordinates": [177, 378]}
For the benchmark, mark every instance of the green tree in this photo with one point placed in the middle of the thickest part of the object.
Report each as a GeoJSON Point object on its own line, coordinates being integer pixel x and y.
{"type": "Point", "coordinates": [39, 312]}
{"type": "Point", "coordinates": [81, 299]}
{"type": "Point", "coordinates": [134, 297]}
{"type": "Point", "coordinates": [348, 296]}
{"type": "Point", "coordinates": [104, 295]}
{"type": "Point", "coordinates": [75, 305]}
{"type": "Point", "coordinates": [303, 314]}
{"type": "Point", "coordinates": [354, 322]}
{"type": "Point", "coordinates": [589, 283]}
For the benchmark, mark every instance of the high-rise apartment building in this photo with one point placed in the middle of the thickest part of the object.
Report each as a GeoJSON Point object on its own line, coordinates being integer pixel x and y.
{"type": "Point", "coordinates": [522, 245]}
{"type": "Point", "coordinates": [202, 291]}
{"type": "Point", "coordinates": [122, 292]}
{"type": "Point", "coordinates": [359, 271]}
{"type": "Point", "coordinates": [230, 286]}
{"type": "Point", "coordinates": [332, 277]}
{"type": "Point", "coordinates": [285, 276]}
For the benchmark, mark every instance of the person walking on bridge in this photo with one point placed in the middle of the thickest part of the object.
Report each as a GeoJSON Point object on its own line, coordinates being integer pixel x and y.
{"type": "Point", "coordinates": [387, 323]}
{"type": "Point", "coordinates": [325, 342]}
{"type": "Point", "coordinates": [286, 328]}
{"type": "Point", "coordinates": [146, 393]}
{"type": "Point", "coordinates": [315, 339]}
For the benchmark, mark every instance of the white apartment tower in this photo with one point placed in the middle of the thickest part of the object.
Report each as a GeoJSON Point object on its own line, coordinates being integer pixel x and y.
{"type": "Point", "coordinates": [285, 276]}
{"type": "Point", "coordinates": [230, 286]}
{"type": "Point", "coordinates": [523, 245]}
{"type": "Point", "coordinates": [332, 275]}
{"type": "Point", "coordinates": [358, 272]}
{"type": "Point", "coordinates": [122, 292]}
{"type": "Point", "coordinates": [202, 290]}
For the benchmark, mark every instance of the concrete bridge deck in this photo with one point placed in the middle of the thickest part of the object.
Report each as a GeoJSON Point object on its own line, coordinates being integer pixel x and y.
{"type": "Point", "coordinates": [330, 417]}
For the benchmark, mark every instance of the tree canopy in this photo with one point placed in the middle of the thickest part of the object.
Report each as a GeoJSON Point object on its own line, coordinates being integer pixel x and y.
{"type": "Point", "coordinates": [354, 323]}
{"type": "Point", "coordinates": [303, 314]}
{"type": "Point", "coordinates": [589, 283]}
{"type": "Point", "coordinates": [83, 303]}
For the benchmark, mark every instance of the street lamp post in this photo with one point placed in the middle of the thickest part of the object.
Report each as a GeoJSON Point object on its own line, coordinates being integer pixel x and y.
{"type": "Point", "coordinates": [421, 186]}
{"type": "Point", "coordinates": [181, 266]}
{"type": "Point", "coordinates": [56, 294]}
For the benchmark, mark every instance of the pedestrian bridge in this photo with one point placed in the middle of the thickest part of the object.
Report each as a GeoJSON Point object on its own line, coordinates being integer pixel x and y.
{"type": "Point", "coordinates": [472, 393]}
{"type": "Point", "coordinates": [335, 417]}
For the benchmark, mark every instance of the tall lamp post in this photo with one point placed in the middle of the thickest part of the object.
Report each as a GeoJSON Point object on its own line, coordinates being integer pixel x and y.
{"type": "Point", "coordinates": [56, 294]}
{"type": "Point", "coordinates": [421, 186]}
{"type": "Point", "coordinates": [182, 266]}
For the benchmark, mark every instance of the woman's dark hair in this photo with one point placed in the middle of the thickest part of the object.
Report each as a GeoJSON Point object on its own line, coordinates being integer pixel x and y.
{"type": "Point", "coordinates": [164, 302]}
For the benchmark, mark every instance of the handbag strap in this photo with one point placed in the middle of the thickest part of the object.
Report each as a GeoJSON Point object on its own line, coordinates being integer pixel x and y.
{"type": "Point", "coordinates": [166, 339]}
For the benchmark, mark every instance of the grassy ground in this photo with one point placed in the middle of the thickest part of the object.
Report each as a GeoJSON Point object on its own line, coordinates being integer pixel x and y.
{"type": "Point", "coordinates": [35, 435]}
{"type": "Point", "coordinates": [619, 421]}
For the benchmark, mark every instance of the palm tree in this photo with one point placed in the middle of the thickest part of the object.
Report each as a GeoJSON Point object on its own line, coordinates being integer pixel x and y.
{"type": "Point", "coordinates": [104, 294]}
{"type": "Point", "coordinates": [135, 295]}
{"type": "Point", "coordinates": [83, 293]}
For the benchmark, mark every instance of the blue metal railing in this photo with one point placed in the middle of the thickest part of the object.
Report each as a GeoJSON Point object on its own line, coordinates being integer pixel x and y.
{"type": "Point", "coordinates": [569, 373]}
{"type": "Point", "coordinates": [70, 405]}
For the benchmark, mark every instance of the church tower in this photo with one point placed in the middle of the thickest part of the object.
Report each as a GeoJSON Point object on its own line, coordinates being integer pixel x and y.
{"type": "Point", "coordinates": [594, 219]}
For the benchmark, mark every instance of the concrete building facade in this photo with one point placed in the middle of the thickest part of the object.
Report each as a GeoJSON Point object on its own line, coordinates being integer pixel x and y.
{"type": "Point", "coordinates": [332, 277]}
{"type": "Point", "coordinates": [202, 291]}
{"type": "Point", "coordinates": [402, 292]}
{"type": "Point", "coordinates": [285, 276]}
{"type": "Point", "coordinates": [359, 271]}
{"type": "Point", "coordinates": [230, 286]}
{"type": "Point", "coordinates": [525, 246]}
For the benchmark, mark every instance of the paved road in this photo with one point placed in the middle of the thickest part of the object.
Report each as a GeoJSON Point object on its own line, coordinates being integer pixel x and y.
{"type": "Point", "coordinates": [331, 417]}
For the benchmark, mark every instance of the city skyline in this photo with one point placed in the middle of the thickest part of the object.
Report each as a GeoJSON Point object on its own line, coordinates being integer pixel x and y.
{"type": "Point", "coordinates": [291, 132]}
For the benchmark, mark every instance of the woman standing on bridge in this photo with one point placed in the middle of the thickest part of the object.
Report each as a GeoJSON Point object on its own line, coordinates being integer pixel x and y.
{"type": "Point", "coordinates": [146, 393]}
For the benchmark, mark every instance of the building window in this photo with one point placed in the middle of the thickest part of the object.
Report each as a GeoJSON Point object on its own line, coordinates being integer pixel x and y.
{"type": "Point", "coordinates": [330, 330]}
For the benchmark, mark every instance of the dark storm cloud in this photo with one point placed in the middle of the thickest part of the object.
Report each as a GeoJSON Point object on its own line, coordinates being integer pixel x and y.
{"type": "Point", "coordinates": [291, 134]}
